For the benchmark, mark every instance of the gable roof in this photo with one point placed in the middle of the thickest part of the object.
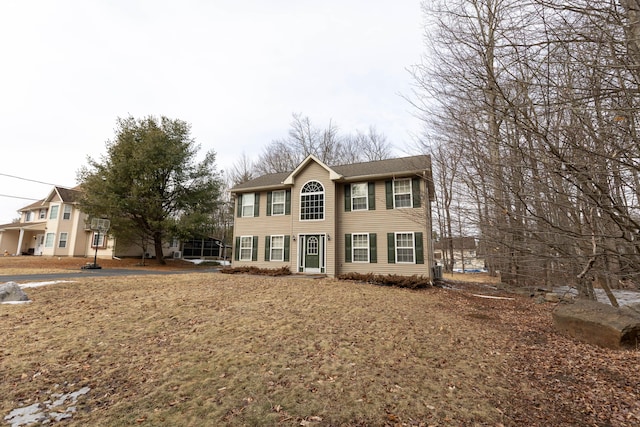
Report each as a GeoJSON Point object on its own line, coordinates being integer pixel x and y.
{"type": "Point", "coordinates": [66, 195]}
{"type": "Point", "coordinates": [311, 158]}
{"type": "Point", "coordinates": [389, 168]}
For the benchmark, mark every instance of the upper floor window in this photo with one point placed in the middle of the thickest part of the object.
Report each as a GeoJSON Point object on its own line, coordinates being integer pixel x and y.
{"type": "Point", "coordinates": [43, 213]}
{"type": "Point", "coordinates": [278, 199]}
{"type": "Point", "coordinates": [66, 214]}
{"type": "Point", "coordinates": [248, 202]}
{"type": "Point", "coordinates": [359, 199]}
{"type": "Point", "coordinates": [402, 193]}
{"type": "Point", "coordinates": [28, 216]}
{"type": "Point", "coordinates": [312, 201]}
{"type": "Point", "coordinates": [53, 214]}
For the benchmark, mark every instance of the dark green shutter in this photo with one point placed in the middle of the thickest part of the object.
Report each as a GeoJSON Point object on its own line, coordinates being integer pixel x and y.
{"type": "Point", "coordinates": [237, 249]}
{"type": "Point", "coordinates": [391, 248]}
{"type": "Point", "coordinates": [347, 248]}
{"type": "Point", "coordinates": [372, 196]}
{"type": "Point", "coordinates": [415, 187]}
{"type": "Point", "coordinates": [347, 197]}
{"type": "Point", "coordinates": [269, 199]}
{"type": "Point", "coordinates": [388, 186]}
{"type": "Point", "coordinates": [267, 248]}
{"type": "Point", "coordinates": [287, 245]}
{"type": "Point", "coordinates": [239, 205]}
{"type": "Point", "coordinates": [419, 248]}
{"type": "Point", "coordinates": [254, 249]}
{"type": "Point", "coordinates": [256, 205]}
{"type": "Point", "coordinates": [373, 248]}
{"type": "Point", "coordinates": [287, 203]}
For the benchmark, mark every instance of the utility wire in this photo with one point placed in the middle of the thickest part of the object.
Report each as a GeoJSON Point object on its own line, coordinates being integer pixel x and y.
{"type": "Point", "coordinates": [27, 179]}
{"type": "Point", "coordinates": [18, 197]}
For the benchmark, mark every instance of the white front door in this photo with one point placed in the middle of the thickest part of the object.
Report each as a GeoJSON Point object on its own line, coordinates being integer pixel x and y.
{"type": "Point", "coordinates": [39, 244]}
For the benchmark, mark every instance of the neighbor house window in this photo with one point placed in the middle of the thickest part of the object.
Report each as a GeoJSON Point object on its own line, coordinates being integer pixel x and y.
{"type": "Point", "coordinates": [43, 213]}
{"type": "Point", "coordinates": [246, 246]}
{"type": "Point", "coordinates": [277, 248]}
{"type": "Point", "coordinates": [62, 243]}
{"type": "Point", "coordinates": [360, 247]}
{"type": "Point", "coordinates": [99, 240]}
{"type": "Point", "coordinates": [359, 199]}
{"type": "Point", "coordinates": [402, 193]}
{"type": "Point", "coordinates": [48, 242]}
{"type": "Point", "coordinates": [248, 201]}
{"type": "Point", "coordinates": [67, 212]}
{"type": "Point", "coordinates": [28, 216]}
{"type": "Point", "coordinates": [405, 248]}
{"type": "Point", "coordinates": [278, 199]}
{"type": "Point", "coordinates": [312, 201]}
{"type": "Point", "coordinates": [54, 212]}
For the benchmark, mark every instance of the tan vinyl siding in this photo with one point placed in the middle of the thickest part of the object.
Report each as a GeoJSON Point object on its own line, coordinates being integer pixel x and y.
{"type": "Point", "coordinates": [262, 226]}
{"type": "Point", "coordinates": [327, 226]}
{"type": "Point", "coordinates": [381, 221]}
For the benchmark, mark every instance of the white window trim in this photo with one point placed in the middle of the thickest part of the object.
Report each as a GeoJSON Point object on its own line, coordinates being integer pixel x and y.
{"type": "Point", "coordinates": [27, 217]}
{"type": "Point", "coordinates": [283, 203]}
{"type": "Point", "coordinates": [51, 211]}
{"type": "Point", "coordinates": [65, 212]}
{"type": "Point", "coordinates": [48, 244]}
{"type": "Point", "coordinates": [242, 238]}
{"type": "Point", "coordinates": [43, 213]}
{"type": "Point", "coordinates": [60, 240]}
{"type": "Point", "coordinates": [271, 248]}
{"type": "Point", "coordinates": [353, 248]}
{"type": "Point", "coordinates": [410, 193]}
{"type": "Point", "coordinates": [366, 196]}
{"type": "Point", "coordinates": [100, 241]}
{"type": "Point", "coordinates": [324, 201]}
{"type": "Point", "coordinates": [413, 247]}
{"type": "Point", "coordinates": [248, 197]}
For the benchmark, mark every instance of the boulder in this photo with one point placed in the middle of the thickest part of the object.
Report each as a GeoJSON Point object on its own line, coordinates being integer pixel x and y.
{"type": "Point", "coordinates": [11, 291]}
{"type": "Point", "coordinates": [599, 324]}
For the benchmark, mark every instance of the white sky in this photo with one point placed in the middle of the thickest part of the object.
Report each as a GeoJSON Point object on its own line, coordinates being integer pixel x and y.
{"type": "Point", "coordinates": [235, 70]}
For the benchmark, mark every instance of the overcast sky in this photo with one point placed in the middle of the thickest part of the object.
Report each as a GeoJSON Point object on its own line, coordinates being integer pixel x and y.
{"type": "Point", "coordinates": [235, 70]}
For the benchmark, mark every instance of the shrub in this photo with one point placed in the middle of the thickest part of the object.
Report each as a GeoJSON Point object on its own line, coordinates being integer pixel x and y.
{"type": "Point", "coordinates": [410, 282]}
{"type": "Point", "coordinates": [282, 271]}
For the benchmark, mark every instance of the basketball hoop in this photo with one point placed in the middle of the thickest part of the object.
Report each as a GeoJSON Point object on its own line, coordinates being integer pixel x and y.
{"type": "Point", "coordinates": [101, 225]}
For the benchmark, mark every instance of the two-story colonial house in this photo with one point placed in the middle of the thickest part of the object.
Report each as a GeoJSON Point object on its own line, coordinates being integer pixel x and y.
{"type": "Point", "coordinates": [55, 226]}
{"type": "Point", "coordinates": [372, 217]}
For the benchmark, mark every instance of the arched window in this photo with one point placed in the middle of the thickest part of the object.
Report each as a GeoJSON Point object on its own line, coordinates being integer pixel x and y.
{"type": "Point", "coordinates": [312, 201]}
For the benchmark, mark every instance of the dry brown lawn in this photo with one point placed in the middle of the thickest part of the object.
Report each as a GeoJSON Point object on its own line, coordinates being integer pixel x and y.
{"type": "Point", "coordinates": [212, 349]}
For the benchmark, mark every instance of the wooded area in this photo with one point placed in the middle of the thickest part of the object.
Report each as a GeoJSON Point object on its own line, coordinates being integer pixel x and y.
{"type": "Point", "coordinates": [531, 111]}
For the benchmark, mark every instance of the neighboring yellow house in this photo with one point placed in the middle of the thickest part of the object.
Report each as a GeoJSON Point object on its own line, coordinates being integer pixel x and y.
{"type": "Point", "coordinates": [372, 217]}
{"type": "Point", "coordinates": [55, 226]}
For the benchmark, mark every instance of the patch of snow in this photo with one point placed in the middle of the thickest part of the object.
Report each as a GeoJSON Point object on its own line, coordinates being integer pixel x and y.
{"type": "Point", "coordinates": [38, 284]}
{"type": "Point", "coordinates": [16, 302]}
{"type": "Point", "coordinates": [624, 296]}
{"type": "Point", "coordinates": [41, 412]}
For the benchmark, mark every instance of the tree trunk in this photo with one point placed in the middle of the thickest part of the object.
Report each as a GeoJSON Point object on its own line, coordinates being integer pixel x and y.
{"type": "Point", "coordinates": [157, 241]}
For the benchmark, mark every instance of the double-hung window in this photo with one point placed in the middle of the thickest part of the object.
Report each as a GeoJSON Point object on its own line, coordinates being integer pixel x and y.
{"type": "Point", "coordinates": [278, 200]}
{"type": "Point", "coordinates": [312, 201]}
{"type": "Point", "coordinates": [248, 202]}
{"type": "Point", "coordinates": [43, 213]}
{"type": "Point", "coordinates": [28, 216]}
{"type": "Point", "coordinates": [66, 214]}
{"type": "Point", "coordinates": [53, 214]}
{"type": "Point", "coordinates": [360, 247]}
{"type": "Point", "coordinates": [359, 196]}
{"type": "Point", "coordinates": [246, 247]}
{"type": "Point", "coordinates": [48, 242]}
{"type": "Point", "coordinates": [277, 248]}
{"type": "Point", "coordinates": [405, 248]}
{"type": "Point", "coordinates": [402, 193]}
{"type": "Point", "coordinates": [98, 240]}
{"type": "Point", "coordinates": [62, 242]}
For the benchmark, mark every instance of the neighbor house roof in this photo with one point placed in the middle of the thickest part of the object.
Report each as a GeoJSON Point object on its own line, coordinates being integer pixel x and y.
{"type": "Point", "coordinates": [401, 166]}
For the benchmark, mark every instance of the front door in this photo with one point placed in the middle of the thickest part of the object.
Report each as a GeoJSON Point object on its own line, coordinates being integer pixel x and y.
{"type": "Point", "coordinates": [312, 256]}
{"type": "Point", "coordinates": [39, 244]}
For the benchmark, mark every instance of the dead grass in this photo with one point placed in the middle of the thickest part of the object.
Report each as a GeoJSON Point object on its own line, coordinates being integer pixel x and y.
{"type": "Point", "coordinates": [237, 350]}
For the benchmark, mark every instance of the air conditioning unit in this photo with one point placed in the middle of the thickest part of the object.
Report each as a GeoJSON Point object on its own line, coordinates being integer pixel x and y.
{"type": "Point", "coordinates": [177, 255]}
